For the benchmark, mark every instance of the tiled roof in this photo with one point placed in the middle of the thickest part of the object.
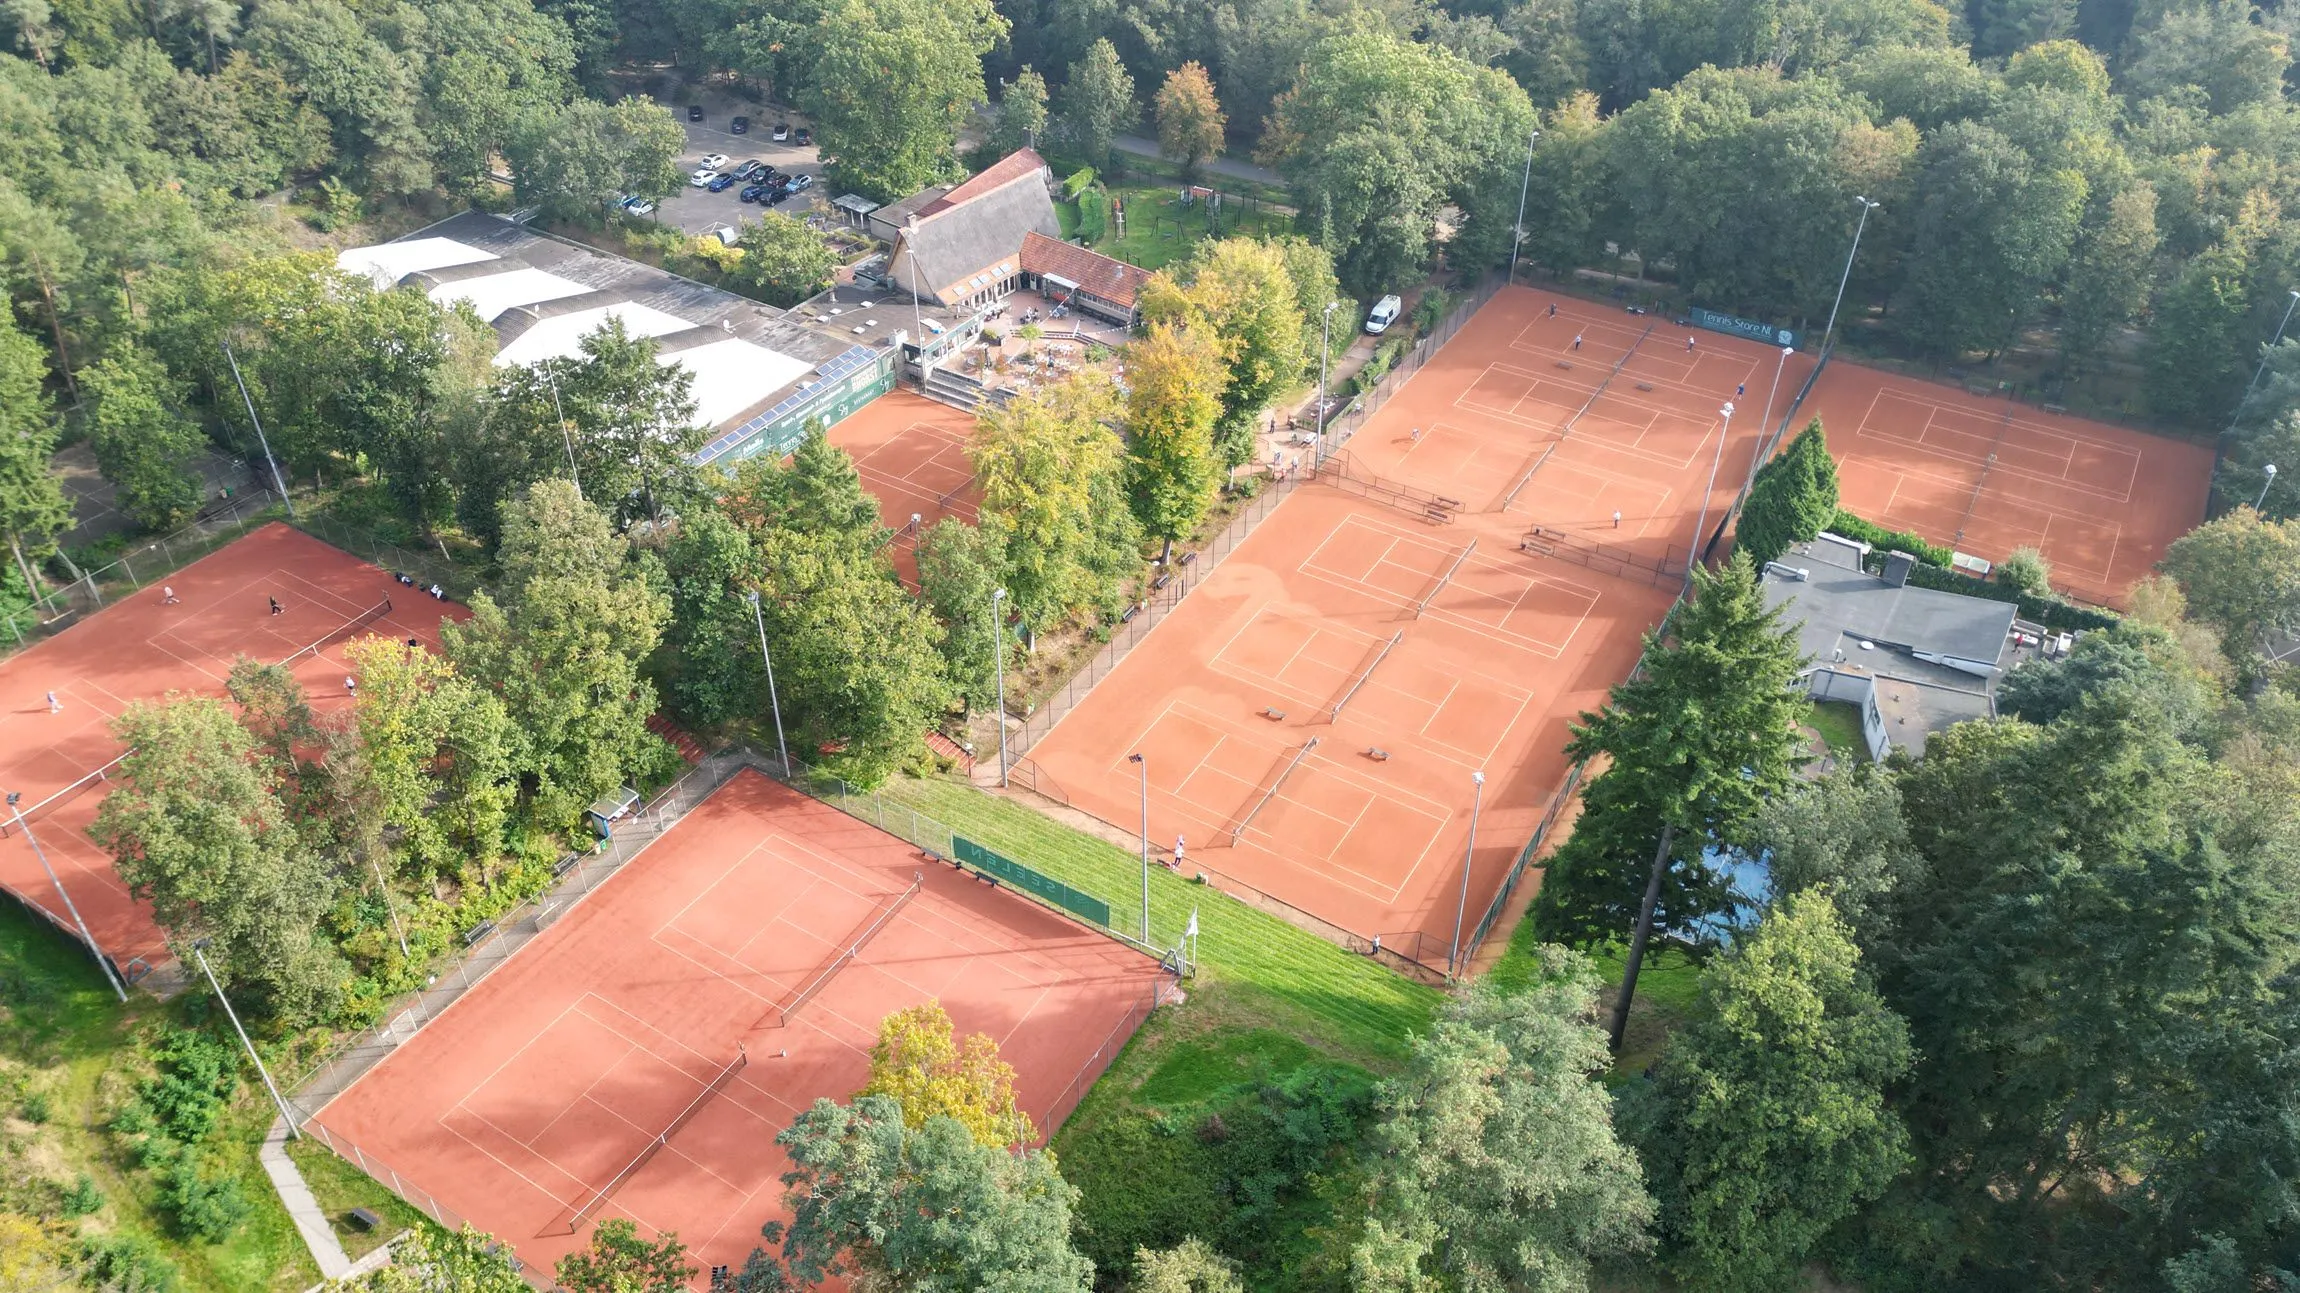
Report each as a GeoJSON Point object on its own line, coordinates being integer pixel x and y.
{"type": "Point", "coordinates": [1003, 172]}
{"type": "Point", "coordinates": [1113, 280]}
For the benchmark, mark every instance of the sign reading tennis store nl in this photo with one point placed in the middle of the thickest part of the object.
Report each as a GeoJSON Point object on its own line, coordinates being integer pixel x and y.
{"type": "Point", "coordinates": [1740, 327]}
{"type": "Point", "coordinates": [1021, 877]}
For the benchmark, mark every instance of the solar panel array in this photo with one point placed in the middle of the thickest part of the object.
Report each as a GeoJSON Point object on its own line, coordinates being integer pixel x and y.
{"type": "Point", "coordinates": [840, 367]}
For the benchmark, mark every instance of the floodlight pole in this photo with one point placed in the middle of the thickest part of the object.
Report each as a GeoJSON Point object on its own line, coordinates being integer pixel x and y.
{"type": "Point", "coordinates": [1325, 348]}
{"type": "Point", "coordinates": [15, 801]}
{"type": "Point", "coordinates": [390, 906]}
{"type": "Point", "coordinates": [998, 659]}
{"type": "Point", "coordinates": [277, 481]}
{"type": "Point", "coordinates": [2262, 367]}
{"type": "Point", "coordinates": [2263, 499]}
{"type": "Point", "coordinates": [1866, 207]}
{"type": "Point", "coordinates": [1524, 186]}
{"type": "Point", "coordinates": [1693, 557]}
{"type": "Point", "coordinates": [774, 701]}
{"type": "Point", "coordinates": [266, 1074]}
{"type": "Point", "coordinates": [1468, 852]}
{"type": "Point", "coordinates": [1144, 766]}
{"type": "Point", "coordinates": [566, 435]}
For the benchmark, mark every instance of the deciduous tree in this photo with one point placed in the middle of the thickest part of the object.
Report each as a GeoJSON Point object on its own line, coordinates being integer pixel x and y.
{"type": "Point", "coordinates": [784, 260]}
{"type": "Point", "coordinates": [920, 1062]}
{"type": "Point", "coordinates": [620, 1260]}
{"type": "Point", "coordinates": [1765, 1122]}
{"type": "Point", "coordinates": [435, 1261]}
{"type": "Point", "coordinates": [1097, 103]}
{"type": "Point", "coordinates": [577, 160]}
{"type": "Point", "coordinates": [1190, 120]}
{"type": "Point", "coordinates": [196, 829]}
{"type": "Point", "coordinates": [959, 567]}
{"type": "Point", "coordinates": [2241, 575]}
{"type": "Point", "coordinates": [895, 1208]}
{"type": "Point", "coordinates": [439, 749]}
{"type": "Point", "coordinates": [1175, 379]}
{"type": "Point", "coordinates": [1052, 475]}
{"type": "Point", "coordinates": [1495, 1163]}
{"type": "Point", "coordinates": [144, 444]}
{"type": "Point", "coordinates": [892, 81]}
{"type": "Point", "coordinates": [1021, 113]}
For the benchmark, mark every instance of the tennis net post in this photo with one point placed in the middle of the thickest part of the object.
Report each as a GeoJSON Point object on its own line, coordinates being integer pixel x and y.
{"type": "Point", "coordinates": [1443, 580]}
{"type": "Point", "coordinates": [712, 1088]}
{"type": "Point", "coordinates": [343, 630]}
{"type": "Point", "coordinates": [1236, 832]}
{"type": "Point", "coordinates": [783, 1016]}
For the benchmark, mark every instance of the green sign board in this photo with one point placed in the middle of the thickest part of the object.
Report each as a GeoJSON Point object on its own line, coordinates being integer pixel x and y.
{"type": "Point", "coordinates": [1740, 327]}
{"type": "Point", "coordinates": [1021, 877]}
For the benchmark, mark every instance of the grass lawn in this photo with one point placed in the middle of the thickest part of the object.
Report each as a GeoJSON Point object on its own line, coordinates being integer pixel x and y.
{"type": "Point", "coordinates": [339, 1187]}
{"type": "Point", "coordinates": [1839, 724]}
{"type": "Point", "coordinates": [1160, 230]}
{"type": "Point", "coordinates": [62, 1034]}
{"type": "Point", "coordinates": [1309, 987]}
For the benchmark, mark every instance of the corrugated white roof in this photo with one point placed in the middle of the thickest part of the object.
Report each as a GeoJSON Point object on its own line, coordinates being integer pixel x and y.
{"type": "Point", "coordinates": [562, 335]}
{"type": "Point", "coordinates": [387, 263]}
{"type": "Point", "coordinates": [495, 293]}
{"type": "Point", "coordinates": [734, 374]}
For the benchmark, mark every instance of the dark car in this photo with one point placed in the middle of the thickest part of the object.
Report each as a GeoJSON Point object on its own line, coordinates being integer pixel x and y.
{"type": "Point", "coordinates": [782, 131]}
{"type": "Point", "coordinates": [694, 112]}
{"type": "Point", "coordinates": [769, 175]}
{"type": "Point", "coordinates": [755, 192]}
{"type": "Point", "coordinates": [805, 137]}
{"type": "Point", "coordinates": [778, 197]}
{"type": "Point", "coordinates": [739, 126]}
{"type": "Point", "coordinates": [721, 184]}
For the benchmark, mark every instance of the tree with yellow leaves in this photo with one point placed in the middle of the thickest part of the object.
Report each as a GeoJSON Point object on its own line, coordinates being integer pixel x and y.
{"type": "Point", "coordinates": [1174, 396]}
{"type": "Point", "coordinates": [920, 1062]}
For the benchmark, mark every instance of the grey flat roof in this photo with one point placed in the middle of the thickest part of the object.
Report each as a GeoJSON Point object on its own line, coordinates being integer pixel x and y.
{"type": "Point", "coordinates": [1833, 603]}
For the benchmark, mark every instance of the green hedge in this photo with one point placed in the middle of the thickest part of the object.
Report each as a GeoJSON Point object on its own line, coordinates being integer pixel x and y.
{"type": "Point", "coordinates": [2051, 612]}
{"type": "Point", "coordinates": [1093, 215]}
{"type": "Point", "coordinates": [1884, 540]}
{"type": "Point", "coordinates": [1080, 180]}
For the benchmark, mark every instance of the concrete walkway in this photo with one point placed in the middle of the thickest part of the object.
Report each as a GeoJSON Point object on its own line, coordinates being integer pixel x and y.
{"type": "Point", "coordinates": [310, 1222]}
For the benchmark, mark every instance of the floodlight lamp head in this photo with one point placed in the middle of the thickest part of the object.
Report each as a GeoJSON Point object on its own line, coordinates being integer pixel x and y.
{"type": "Point", "coordinates": [2271, 472]}
{"type": "Point", "coordinates": [1477, 777]}
{"type": "Point", "coordinates": [1133, 758]}
{"type": "Point", "coordinates": [751, 595]}
{"type": "Point", "coordinates": [998, 594]}
{"type": "Point", "coordinates": [14, 798]}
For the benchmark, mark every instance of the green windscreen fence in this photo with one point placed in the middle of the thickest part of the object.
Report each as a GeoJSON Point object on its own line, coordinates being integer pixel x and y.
{"type": "Point", "coordinates": [1022, 877]}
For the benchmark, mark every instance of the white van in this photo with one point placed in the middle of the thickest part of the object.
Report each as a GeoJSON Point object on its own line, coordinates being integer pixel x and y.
{"type": "Point", "coordinates": [1385, 313]}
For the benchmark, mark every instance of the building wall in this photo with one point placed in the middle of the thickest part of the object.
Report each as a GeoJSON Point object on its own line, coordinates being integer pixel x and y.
{"type": "Point", "coordinates": [1860, 691]}
{"type": "Point", "coordinates": [831, 404]}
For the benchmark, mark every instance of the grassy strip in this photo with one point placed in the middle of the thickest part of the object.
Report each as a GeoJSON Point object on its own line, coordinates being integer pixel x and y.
{"type": "Point", "coordinates": [1355, 1006]}
{"type": "Point", "coordinates": [1839, 724]}
{"type": "Point", "coordinates": [58, 1022]}
{"type": "Point", "coordinates": [1668, 987]}
{"type": "Point", "coordinates": [339, 1187]}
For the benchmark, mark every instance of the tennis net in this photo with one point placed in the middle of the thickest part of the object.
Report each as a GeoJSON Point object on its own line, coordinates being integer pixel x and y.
{"type": "Point", "coordinates": [343, 630]}
{"type": "Point", "coordinates": [710, 1089]}
{"type": "Point", "coordinates": [854, 947]}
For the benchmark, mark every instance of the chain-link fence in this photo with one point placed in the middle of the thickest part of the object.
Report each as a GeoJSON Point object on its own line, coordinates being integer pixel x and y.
{"type": "Point", "coordinates": [1166, 593]}
{"type": "Point", "coordinates": [1341, 423]}
{"type": "Point", "coordinates": [426, 568]}
{"type": "Point", "coordinates": [142, 563]}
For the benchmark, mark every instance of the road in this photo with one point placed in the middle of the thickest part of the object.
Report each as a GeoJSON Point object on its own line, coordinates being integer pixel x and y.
{"type": "Point", "coordinates": [1230, 166]}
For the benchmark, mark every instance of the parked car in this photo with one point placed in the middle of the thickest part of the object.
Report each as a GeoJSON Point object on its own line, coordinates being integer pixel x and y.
{"type": "Point", "coordinates": [639, 207]}
{"type": "Point", "coordinates": [714, 161]}
{"type": "Point", "coordinates": [755, 192]}
{"type": "Point", "coordinates": [801, 183]}
{"type": "Point", "coordinates": [1384, 313]}
{"type": "Point", "coordinates": [694, 112]}
{"type": "Point", "coordinates": [702, 177]}
{"type": "Point", "coordinates": [769, 175]}
{"type": "Point", "coordinates": [778, 197]}
{"type": "Point", "coordinates": [721, 184]}
{"type": "Point", "coordinates": [805, 137]}
{"type": "Point", "coordinates": [739, 126]}
{"type": "Point", "coordinates": [748, 169]}
{"type": "Point", "coordinates": [782, 131]}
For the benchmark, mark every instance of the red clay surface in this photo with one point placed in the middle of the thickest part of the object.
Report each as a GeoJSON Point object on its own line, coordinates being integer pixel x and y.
{"type": "Point", "coordinates": [1986, 476]}
{"type": "Point", "coordinates": [551, 1075]}
{"type": "Point", "coordinates": [1509, 650]}
{"type": "Point", "coordinates": [139, 649]}
{"type": "Point", "coordinates": [911, 453]}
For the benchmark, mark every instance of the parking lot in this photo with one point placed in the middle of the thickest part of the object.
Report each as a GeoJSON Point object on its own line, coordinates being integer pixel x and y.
{"type": "Point", "coordinates": [694, 210]}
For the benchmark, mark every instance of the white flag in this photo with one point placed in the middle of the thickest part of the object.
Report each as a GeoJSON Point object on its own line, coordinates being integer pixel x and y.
{"type": "Point", "coordinates": [1192, 931]}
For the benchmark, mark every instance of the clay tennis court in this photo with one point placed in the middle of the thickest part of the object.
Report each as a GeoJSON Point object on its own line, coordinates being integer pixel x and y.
{"type": "Point", "coordinates": [1986, 475]}
{"type": "Point", "coordinates": [1311, 715]}
{"type": "Point", "coordinates": [911, 454]}
{"type": "Point", "coordinates": [138, 648]}
{"type": "Point", "coordinates": [522, 1101]}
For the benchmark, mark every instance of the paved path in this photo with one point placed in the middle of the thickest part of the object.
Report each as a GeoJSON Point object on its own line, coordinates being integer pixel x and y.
{"type": "Point", "coordinates": [1235, 168]}
{"type": "Point", "coordinates": [310, 1222]}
